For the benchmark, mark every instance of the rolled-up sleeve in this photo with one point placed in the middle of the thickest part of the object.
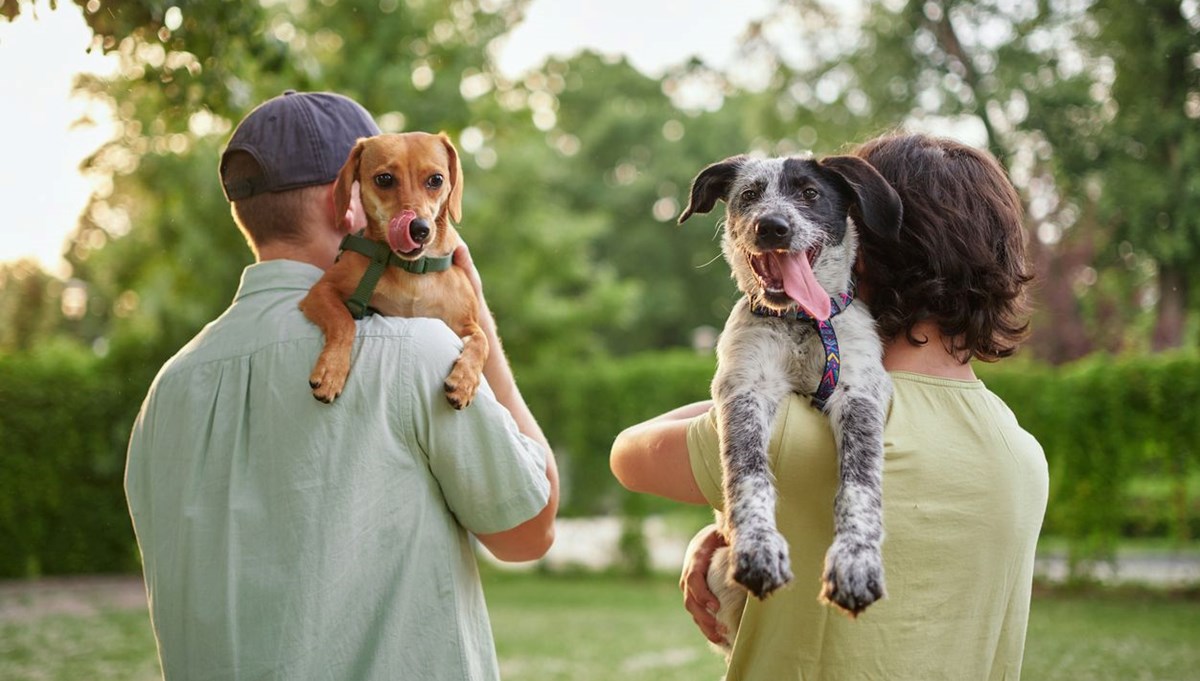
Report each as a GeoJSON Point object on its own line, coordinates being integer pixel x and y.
{"type": "Point", "coordinates": [492, 476]}
{"type": "Point", "coordinates": [704, 451]}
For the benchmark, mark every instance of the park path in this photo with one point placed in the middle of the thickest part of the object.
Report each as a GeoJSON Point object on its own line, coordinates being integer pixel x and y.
{"type": "Point", "coordinates": [588, 543]}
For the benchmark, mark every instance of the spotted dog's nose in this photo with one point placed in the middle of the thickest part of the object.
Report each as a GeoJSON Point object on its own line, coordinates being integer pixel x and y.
{"type": "Point", "coordinates": [772, 232]}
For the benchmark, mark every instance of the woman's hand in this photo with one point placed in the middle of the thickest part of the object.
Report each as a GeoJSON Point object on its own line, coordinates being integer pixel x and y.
{"type": "Point", "coordinates": [462, 260]}
{"type": "Point", "coordinates": [697, 598]}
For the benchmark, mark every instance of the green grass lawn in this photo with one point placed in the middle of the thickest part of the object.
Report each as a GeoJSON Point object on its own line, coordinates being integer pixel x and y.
{"type": "Point", "coordinates": [587, 628]}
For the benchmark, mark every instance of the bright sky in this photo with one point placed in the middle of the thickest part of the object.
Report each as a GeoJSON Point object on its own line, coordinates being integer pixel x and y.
{"type": "Point", "coordinates": [42, 192]}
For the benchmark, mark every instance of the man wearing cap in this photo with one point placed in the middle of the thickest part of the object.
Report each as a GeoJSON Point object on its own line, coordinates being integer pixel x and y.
{"type": "Point", "coordinates": [283, 538]}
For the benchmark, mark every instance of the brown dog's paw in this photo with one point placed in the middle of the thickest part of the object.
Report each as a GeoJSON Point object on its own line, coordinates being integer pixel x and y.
{"type": "Point", "coordinates": [327, 379]}
{"type": "Point", "coordinates": [459, 395]}
{"type": "Point", "coordinates": [461, 386]}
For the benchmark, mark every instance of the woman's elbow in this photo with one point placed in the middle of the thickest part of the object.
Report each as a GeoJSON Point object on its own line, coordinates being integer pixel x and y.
{"type": "Point", "coordinates": [622, 460]}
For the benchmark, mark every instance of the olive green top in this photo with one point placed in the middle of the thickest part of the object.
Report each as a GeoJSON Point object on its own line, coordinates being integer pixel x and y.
{"type": "Point", "coordinates": [964, 493]}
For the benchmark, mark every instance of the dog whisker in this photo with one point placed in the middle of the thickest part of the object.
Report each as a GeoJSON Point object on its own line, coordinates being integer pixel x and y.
{"type": "Point", "coordinates": [720, 228]}
{"type": "Point", "coordinates": [715, 258]}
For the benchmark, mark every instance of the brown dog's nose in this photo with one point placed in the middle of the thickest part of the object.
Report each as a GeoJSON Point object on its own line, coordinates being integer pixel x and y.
{"type": "Point", "coordinates": [419, 230]}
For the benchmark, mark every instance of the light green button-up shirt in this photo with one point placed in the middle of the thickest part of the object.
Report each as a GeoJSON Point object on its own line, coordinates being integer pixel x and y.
{"type": "Point", "coordinates": [283, 538]}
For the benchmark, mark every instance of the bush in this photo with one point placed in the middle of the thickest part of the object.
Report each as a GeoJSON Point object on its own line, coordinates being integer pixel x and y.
{"type": "Point", "coordinates": [64, 424]}
{"type": "Point", "coordinates": [1104, 423]}
{"type": "Point", "coordinates": [1119, 436]}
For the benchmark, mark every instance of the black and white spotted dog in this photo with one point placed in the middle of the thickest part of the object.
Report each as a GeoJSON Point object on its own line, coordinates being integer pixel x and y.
{"type": "Point", "coordinates": [790, 237]}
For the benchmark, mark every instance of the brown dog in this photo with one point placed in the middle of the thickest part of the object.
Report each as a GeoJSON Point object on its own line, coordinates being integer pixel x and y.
{"type": "Point", "coordinates": [411, 186]}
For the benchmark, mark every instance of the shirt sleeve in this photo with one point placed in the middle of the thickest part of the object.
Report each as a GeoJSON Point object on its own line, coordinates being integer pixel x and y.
{"type": "Point", "coordinates": [795, 416]}
{"type": "Point", "coordinates": [704, 451]}
{"type": "Point", "coordinates": [492, 476]}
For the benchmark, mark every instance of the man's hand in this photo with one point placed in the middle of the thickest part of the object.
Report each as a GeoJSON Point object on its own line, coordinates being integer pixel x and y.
{"type": "Point", "coordinates": [697, 598]}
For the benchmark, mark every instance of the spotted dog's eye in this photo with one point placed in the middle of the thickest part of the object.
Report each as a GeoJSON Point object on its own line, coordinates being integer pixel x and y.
{"type": "Point", "coordinates": [435, 181]}
{"type": "Point", "coordinates": [750, 194]}
{"type": "Point", "coordinates": [384, 180]}
{"type": "Point", "coordinates": [810, 194]}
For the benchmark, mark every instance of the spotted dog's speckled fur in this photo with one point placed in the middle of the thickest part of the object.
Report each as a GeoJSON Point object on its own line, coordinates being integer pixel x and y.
{"type": "Point", "coordinates": [820, 204]}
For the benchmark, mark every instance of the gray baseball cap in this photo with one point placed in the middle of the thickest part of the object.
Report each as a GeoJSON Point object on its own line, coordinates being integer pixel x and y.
{"type": "Point", "coordinates": [299, 139]}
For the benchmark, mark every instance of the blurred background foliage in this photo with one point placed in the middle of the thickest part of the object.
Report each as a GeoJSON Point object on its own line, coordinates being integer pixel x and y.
{"type": "Point", "coordinates": [575, 172]}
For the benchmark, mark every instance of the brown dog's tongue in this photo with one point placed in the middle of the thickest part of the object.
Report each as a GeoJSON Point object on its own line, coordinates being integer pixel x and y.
{"type": "Point", "coordinates": [399, 238]}
{"type": "Point", "coordinates": [801, 285]}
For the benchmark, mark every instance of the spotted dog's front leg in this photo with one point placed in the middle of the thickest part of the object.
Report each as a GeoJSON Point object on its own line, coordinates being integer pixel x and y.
{"type": "Point", "coordinates": [853, 576]}
{"type": "Point", "coordinates": [746, 412]}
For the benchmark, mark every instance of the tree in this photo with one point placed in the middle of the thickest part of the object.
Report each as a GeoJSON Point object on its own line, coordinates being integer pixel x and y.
{"type": "Point", "coordinates": [1035, 81]}
{"type": "Point", "coordinates": [1150, 171]}
{"type": "Point", "coordinates": [158, 251]}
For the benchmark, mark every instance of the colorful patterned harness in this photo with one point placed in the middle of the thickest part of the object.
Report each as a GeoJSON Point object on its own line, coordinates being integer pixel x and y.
{"type": "Point", "coordinates": [829, 341]}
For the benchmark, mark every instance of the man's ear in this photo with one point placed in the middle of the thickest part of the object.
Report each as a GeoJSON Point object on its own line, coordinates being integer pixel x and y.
{"type": "Point", "coordinates": [345, 180]}
{"type": "Point", "coordinates": [456, 179]}
{"type": "Point", "coordinates": [711, 184]}
{"type": "Point", "coordinates": [877, 206]}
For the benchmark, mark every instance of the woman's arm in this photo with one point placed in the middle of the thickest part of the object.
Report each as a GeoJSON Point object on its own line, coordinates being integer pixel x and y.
{"type": "Point", "coordinates": [652, 456]}
{"type": "Point", "coordinates": [531, 539]}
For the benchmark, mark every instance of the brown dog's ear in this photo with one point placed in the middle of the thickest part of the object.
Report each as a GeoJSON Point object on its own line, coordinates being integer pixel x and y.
{"type": "Point", "coordinates": [877, 206]}
{"type": "Point", "coordinates": [345, 180]}
{"type": "Point", "coordinates": [711, 184]}
{"type": "Point", "coordinates": [456, 179]}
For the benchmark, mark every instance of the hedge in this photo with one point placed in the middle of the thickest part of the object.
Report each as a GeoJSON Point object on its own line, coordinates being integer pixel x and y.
{"type": "Point", "coordinates": [1105, 424]}
{"type": "Point", "coordinates": [63, 428]}
{"type": "Point", "coordinates": [1120, 436]}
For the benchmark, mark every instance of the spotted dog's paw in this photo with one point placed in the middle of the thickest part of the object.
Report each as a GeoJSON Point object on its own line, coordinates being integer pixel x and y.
{"type": "Point", "coordinates": [761, 561]}
{"type": "Point", "coordinates": [853, 576]}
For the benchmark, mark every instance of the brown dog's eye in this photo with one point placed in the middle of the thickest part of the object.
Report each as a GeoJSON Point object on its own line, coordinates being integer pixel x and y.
{"type": "Point", "coordinates": [750, 195]}
{"type": "Point", "coordinates": [811, 194]}
{"type": "Point", "coordinates": [435, 181]}
{"type": "Point", "coordinates": [384, 180]}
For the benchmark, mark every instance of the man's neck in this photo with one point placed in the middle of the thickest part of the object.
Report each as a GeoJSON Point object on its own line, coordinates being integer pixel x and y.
{"type": "Point", "coordinates": [319, 251]}
{"type": "Point", "coordinates": [931, 359]}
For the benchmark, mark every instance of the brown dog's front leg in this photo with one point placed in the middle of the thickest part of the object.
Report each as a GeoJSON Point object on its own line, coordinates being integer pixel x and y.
{"type": "Point", "coordinates": [465, 376]}
{"type": "Point", "coordinates": [324, 307]}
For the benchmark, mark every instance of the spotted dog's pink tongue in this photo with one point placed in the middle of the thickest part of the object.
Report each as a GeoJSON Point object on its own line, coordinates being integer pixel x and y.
{"type": "Point", "coordinates": [399, 238]}
{"type": "Point", "coordinates": [801, 285]}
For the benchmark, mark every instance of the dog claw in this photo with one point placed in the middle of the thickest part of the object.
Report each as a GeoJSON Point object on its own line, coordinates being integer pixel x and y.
{"type": "Point", "coordinates": [761, 563]}
{"type": "Point", "coordinates": [853, 578]}
{"type": "Point", "coordinates": [458, 395]}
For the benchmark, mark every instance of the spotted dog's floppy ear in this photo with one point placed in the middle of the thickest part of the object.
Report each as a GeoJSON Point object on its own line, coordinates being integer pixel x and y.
{"type": "Point", "coordinates": [346, 178]}
{"type": "Point", "coordinates": [876, 206]}
{"type": "Point", "coordinates": [711, 184]}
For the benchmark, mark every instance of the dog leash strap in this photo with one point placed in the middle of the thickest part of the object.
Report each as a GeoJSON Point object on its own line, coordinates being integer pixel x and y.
{"type": "Point", "coordinates": [381, 257]}
{"type": "Point", "coordinates": [829, 342]}
{"type": "Point", "coordinates": [833, 364]}
{"type": "Point", "coordinates": [379, 254]}
{"type": "Point", "coordinates": [424, 264]}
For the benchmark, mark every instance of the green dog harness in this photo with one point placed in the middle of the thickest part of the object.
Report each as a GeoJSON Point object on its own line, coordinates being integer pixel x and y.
{"type": "Point", "coordinates": [381, 256]}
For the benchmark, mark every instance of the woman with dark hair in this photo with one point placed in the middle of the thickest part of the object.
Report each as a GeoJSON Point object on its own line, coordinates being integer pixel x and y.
{"type": "Point", "coordinates": [964, 486]}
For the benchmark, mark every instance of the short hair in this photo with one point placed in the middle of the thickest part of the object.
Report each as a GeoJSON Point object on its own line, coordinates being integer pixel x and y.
{"type": "Point", "coordinates": [960, 257]}
{"type": "Point", "coordinates": [271, 216]}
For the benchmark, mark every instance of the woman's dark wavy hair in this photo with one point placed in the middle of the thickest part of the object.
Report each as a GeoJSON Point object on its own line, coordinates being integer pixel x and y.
{"type": "Point", "coordinates": [960, 258]}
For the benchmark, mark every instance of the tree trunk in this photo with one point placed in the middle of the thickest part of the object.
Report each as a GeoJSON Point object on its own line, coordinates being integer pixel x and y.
{"type": "Point", "coordinates": [1059, 334]}
{"type": "Point", "coordinates": [1172, 308]}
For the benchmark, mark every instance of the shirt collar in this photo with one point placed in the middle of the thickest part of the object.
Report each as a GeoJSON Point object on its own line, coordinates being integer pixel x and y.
{"type": "Point", "coordinates": [274, 275]}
